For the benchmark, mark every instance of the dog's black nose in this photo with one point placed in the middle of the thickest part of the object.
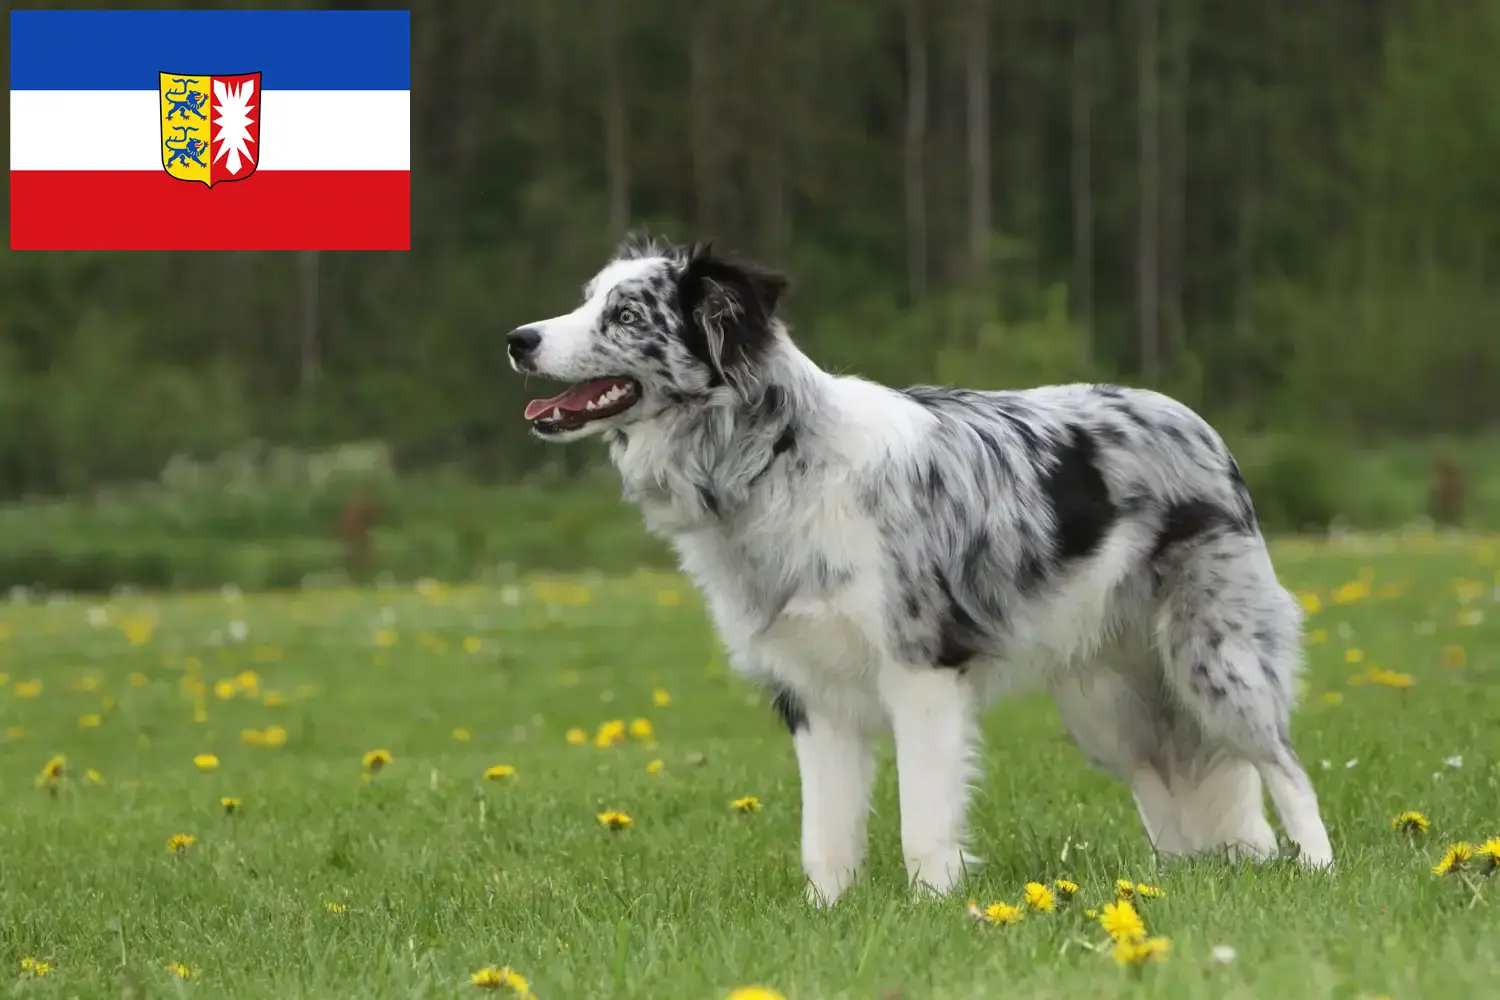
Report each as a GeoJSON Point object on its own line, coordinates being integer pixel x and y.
{"type": "Point", "coordinates": [523, 340]}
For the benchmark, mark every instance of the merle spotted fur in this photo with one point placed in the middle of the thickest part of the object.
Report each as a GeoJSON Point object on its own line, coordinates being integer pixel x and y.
{"type": "Point", "coordinates": [889, 561]}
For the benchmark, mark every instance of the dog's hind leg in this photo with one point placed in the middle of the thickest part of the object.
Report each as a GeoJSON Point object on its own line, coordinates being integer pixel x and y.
{"type": "Point", "coordinates": [1221, 808]}
{"type": "Point", "coordinates": [1117, 721]}
{"type": "Point", "coordinates": [1229, 636]}
{"type": "Point", "coordinates": [934, 715]}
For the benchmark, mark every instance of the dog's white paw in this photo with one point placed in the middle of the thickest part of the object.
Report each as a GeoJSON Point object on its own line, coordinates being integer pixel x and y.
{"type": "Point", "coordinates": [826, 885]}
{"type": "Point", "coordinates": [937, 873]}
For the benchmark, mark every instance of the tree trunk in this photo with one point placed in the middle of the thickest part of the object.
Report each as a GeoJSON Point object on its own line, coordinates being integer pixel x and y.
{"type": "Point", "coordinates": [307, 261]}
{"type": "Point", "coordinates": [1174, 173]}
{"type": "Point", "coordinates": [705, 152]}
{"type": "Point", "coordinates": [1148, 204]}
{"type": "Point", "coordinates": [1083, 170]}
{"type": "Point", "coordinates": [977, 87]}
{"type": "Point", "coordinates": [616, 120]}
{"type": "Point", "coordinates": [915, 152]}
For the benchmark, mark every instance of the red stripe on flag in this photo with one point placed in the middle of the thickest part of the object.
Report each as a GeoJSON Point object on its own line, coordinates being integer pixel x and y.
{"type": "Point", "coordinates": [271, 210]}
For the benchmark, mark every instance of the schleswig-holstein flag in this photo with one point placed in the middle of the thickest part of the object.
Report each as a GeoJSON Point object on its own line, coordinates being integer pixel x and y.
{"type": "Point", "coordinates": [210, 130]}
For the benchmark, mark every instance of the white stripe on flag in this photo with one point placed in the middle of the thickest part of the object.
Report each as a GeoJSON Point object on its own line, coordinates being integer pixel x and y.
{"type": "Point", "coordinates": [121, 130]}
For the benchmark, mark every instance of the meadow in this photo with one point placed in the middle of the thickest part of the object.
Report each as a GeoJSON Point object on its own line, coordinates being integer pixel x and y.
{"type": "Point", "coordinates": [382, 792]}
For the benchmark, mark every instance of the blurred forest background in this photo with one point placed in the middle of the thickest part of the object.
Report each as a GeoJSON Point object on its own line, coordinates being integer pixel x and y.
{"type": "Point", "coordinates": [1286, 213]}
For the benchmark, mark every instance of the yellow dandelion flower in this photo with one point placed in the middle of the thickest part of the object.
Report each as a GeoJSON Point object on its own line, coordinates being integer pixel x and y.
{"type": "Point", "coordinates": [1145, 891]}
{"type": "Point", "coordinates": [614, 819]}
{"type": "Point", "coordinates": [387, 637]}
{"type": "Point", "coordinates": [1352, 592]}
{"type": "Point", "coordinates": [642, 729]}
{"type": "Point", "coordinates": [205, 762]}
{"type": "Point", "coordinates": [462, 735]}
{"type": "Point", "coordinates": [748, 804]}
{"type": "Point", "coordinates": [1066, 889]}
{"type": "Point", "coordinates": [1455, 859]}
{"type": "Point", "coordinates": [179, 842]}
{"type": "Point", "coordinates": [181, 971]}
{"type": "Point", "coordinates": [1317, 637]}
{"type": "Point", "coordinates": [655, 767]}
{"type": "Point", "coordinates": [1333, 697]}
{"type": "Point", "coordinates": [499, 771]}
{"type": "Point", "coordinates": [1390, 678]}
{"type": "Point", "coordinates": [1040, 897]}
{"type": "Point", "coordinates": [491, 978]}
{"type": "Point", "coordinates": [138, 680]}
{"type": "Point", "coordinates": [274, 736]}
{"type": "Point", "coordinates": [1311, 602]}
{"type": "Point", "coordinates": [610, 733]}
{"type": "Point", "coordinates": [332, 907]}
{"type": "Point", "coordinates": [273, 699]}
{"type": "Point", "coordinates": [661, 697]}
{"type": "Point", "coordinates": [1124, 888]}
{"type": "Point", "coordinates": [1121, 921]}
{"type": "Point", "coordinates": [94, 777]}
{"type": "Point", "coordinates": [224, 690]}
{"type": "Point", "coordinates": [53, 771]}
{"type": "Point", "coordinates": [473, 644]}
{"type": "Point", "coordinates": [1354, 655]}
{"type": "Point", "coordinates": [375, 760]}
{"type": "Point", "coordinates": [1130, 952]}
{"type": "Point", "coordinates": [1003, 914]}
{"type": "Point", "coordinates": [754, 993]}
{"type": "Point", "coordinates": [1410, 822]}
{"type": "Point", "coordinates": [35, 967]}
{"type": "Point", "coordinates": [90, 721]}
{"type": "Point", "coordinates": [1488, 854]}
{"type": "Point", "coordinates": [28, 689]}
{"type": "Point", "coordinates": [1092, 913]}
{"type": "Point", "coordinates": [252, 738]}
{"type": "Point", "coordinates": [576, 737]}
{"type": "Point", "coordinates": [231, 806]}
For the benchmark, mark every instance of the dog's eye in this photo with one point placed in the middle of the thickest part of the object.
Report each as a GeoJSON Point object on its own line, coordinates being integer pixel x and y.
{"type": "Point", "coordinates": [627, 316]}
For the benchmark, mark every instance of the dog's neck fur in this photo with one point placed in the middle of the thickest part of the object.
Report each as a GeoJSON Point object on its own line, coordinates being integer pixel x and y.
{"type": "Point", "coordinates": [694, 468]}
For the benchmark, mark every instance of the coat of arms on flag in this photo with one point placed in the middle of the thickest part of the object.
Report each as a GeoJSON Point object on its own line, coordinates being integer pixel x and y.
{"type": "Point", "coordinates": [210, 126]}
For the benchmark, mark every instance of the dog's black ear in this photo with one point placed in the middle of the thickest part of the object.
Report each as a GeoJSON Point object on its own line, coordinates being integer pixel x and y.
{"type": "Point", "coordinates": [728, 305]}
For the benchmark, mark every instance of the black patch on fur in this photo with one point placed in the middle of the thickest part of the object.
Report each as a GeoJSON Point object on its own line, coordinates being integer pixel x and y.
{"type": "Point", "coordinates": [737, 297]}
{"type": "Point", "coordinates": [783, 444]}
{"type": "Point", "coordinates": [1187, 520]}
{"type": "Point", "coordinates": [1082, 510]}
{"type": "Point", "coordinates": [1203, 684]}
{"type": "Point", "coordinates": [957, 629]}
{"type": "Point", "coordinates": [1246, 507]}
{"type": "Point", "coordinates": [790, 708]}
{"type": "Point", "coordinates": [710, 501]}
{"type": "Point", "coordinates": [1111, 435]}
{"type": "Point", "coordinates": [1133, 415]}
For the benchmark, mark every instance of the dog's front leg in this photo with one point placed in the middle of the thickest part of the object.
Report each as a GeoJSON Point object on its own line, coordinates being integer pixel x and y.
{"type": "Point", "coordinates": [837, 768]}
{"type": "Point", "coordinates": [935, 720]}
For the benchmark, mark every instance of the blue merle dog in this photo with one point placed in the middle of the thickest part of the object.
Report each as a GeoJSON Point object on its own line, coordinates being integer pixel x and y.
{"type": "Point", "coordinates": [892, 560]}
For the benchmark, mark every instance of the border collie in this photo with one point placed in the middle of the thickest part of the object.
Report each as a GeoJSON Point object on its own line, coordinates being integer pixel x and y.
{"type": "Point", "coordinates": [886, 559]}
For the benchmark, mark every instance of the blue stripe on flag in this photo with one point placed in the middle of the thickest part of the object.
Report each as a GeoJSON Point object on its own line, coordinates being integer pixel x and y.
{"type": "Point", "coordinates": [294, 49]}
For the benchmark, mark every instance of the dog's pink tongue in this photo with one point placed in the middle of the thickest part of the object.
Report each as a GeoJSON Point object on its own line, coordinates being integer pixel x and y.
{"type": "Point", "coordinates": [572, 400]}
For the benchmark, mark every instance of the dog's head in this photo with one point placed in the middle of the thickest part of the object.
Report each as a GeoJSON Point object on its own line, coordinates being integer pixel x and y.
{"type": "Point", "coordinates": [658, 328]}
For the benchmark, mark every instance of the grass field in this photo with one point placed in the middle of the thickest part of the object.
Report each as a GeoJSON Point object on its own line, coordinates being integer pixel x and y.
{"type": "Point", "coordinates": [323, 884]}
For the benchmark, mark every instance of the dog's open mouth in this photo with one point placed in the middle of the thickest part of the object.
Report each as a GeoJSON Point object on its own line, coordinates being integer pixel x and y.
{"type": "Point", "coordinates": [582, 404]}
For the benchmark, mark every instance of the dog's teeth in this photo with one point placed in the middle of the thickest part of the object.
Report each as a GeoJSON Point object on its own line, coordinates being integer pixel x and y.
{"type": "Point", "coordinates": [591, 405]}
{"type": "Point", "coordinates": [556, 413]}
